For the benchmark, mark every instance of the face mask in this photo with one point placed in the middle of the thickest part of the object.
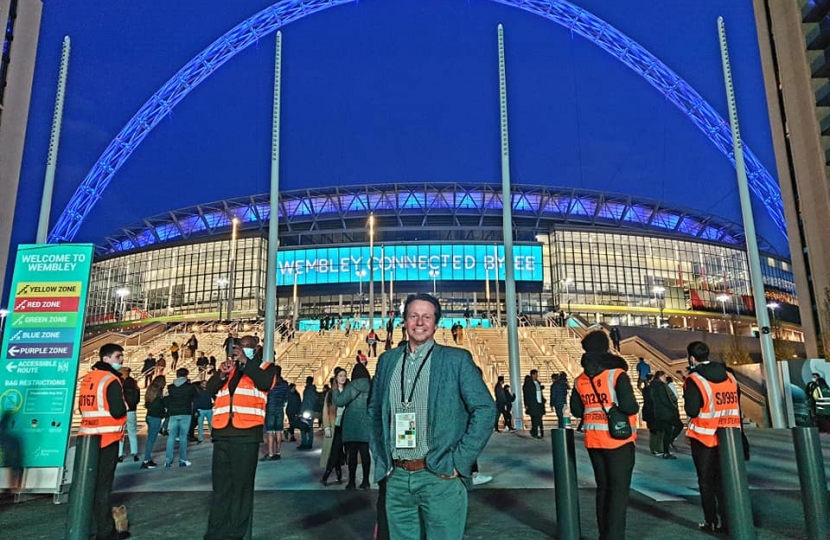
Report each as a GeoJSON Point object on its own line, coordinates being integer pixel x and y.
{"type": "Point", "coordinates": [116, 367]}
{"type": "Point", "coordinates": [249, 353]}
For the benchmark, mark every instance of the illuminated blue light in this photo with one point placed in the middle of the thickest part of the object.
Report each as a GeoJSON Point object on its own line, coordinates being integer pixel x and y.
{"type": "Point", "coordinates": [575, 19]}
{"type": "Point", "coordinates": [454, 262]}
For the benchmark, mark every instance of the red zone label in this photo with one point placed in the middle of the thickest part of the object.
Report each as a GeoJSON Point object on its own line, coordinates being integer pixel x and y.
{"type": "Point", "coordinates": [46, 305]}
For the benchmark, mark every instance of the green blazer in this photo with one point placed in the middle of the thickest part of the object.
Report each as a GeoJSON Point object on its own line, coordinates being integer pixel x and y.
{"type": "Point", "coordinates": [461, 412]}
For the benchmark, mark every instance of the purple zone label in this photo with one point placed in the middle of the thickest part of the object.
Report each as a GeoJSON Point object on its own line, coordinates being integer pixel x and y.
{"type": "Point", "coordinates": [40, 350]}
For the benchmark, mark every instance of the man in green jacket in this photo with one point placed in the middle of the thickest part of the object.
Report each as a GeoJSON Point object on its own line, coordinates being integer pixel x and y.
{"type": "Point", "coordinates": [431, 417]}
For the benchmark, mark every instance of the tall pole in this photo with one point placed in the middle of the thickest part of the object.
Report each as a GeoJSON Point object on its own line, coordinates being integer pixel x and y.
{"type": "Point", "coordinates": [54, 142]}
{"type": "Point", "coordinates": [371, 271]}
{"type": "Point", "coordinates": [507, 224]}
{"type": "Point", "coordinates": [296, 315]}
{"type": "Point", "coordinates": [232, 287]}
{"type": "Point", "coordinates": [774, 393]}
{"type": "Point", "coordinates": [273, 218]}
{"type": "Point", "coordinates": [496, 267]}
{"type": "Point", "coordinates": [382, 288]}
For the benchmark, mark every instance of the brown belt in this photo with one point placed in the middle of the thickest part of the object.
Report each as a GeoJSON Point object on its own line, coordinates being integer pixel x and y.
{"type": "Point", "coordinates": [411, 465]}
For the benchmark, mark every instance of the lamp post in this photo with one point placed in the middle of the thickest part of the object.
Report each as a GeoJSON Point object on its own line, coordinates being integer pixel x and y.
{"type": "Point", "coordinates": [722, 298]}
{"type": "Point", "coordinates": [658, 292]}
{"type": "Point", "coordinates": [772, 307]}
{"type": "Point", "coordinates": [3, 313]}
{"type": "Point", "coordinates": [222, 282]}
{"type": "Point", "coordinates": [566, 282]}
{"type": "Point", "coordinates": [235, 224]}
{"type": "Point", "coordinates": [434, 273]}
{"type": "Point", "coordinates": [122, 293]}
{"type": "Point", "coordinates": [360, 274]}
{"type": "Point", "coordinates": [371, 271]}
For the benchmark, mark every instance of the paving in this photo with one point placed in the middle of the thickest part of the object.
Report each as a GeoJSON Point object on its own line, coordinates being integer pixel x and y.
{"type": "Point", "coordinates": [518, 504]}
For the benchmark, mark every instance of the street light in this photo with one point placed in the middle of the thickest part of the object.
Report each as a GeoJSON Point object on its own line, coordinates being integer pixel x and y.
{"type": "Point", "coordinates": [566, 282]}
{"type": "Point", "coordinates": [434, 273]}
{"type": "Point", "coordinates": [658, 292]}
{"type": "Point", "coordinates": [772, 307]}
{"type": "Point", "coordinates": [723, 298]}
{"type": "Point", "coordinates": [361, 274]}
{"type": "Point", "coordinates": [371, 271]}
{"type": "Point", "coordinates": [235, 224]}
{"type": "Point", "coordinates": [122, 293]}
{"type": "Point", "coordinates": [3, 313]}
{"type": "Point", "coordinates": [222, 282]}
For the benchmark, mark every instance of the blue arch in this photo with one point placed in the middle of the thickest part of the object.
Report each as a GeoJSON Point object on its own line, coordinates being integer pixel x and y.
{"type": "Point", "coordinates": [577, 20]}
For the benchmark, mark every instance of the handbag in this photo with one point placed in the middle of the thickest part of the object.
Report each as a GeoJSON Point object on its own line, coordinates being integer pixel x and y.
{"type": "Point", "coordinates": [619, 426]}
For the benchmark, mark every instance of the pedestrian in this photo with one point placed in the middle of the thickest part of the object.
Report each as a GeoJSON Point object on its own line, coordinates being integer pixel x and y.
{"type": "Point", "coordinates": [603, 384]}
{"type": "Point", "coordinates": [360, 358]}
{"type": "Point", "coordinates": [132, 396]}
{"type": "Point", "coordinates": [655, 437]}
{"type": "Point", "coordinates": [615, 337]}
{"type": "Point", "coordinates": [104, 413]}
{"type": "Point", "coordinates": [534, 403]}
{"type": "Point", "coordinates": [501, 403]}
{"type": "Point", "coordinates": [227, 345]}
{"type": "Point", "coordinates": [203, 404]}
{"type": "Point", "coordinates": [240, 386]}
{"type": "Point", "coordinates": [643, 369]}
{"type": "Point", "coordinates": [161, 365]}
{"type": "Point", "coordinates": [174, 355]}
{"type": "Point", "coordinates": [559, 396]}
{"type": "Point", "coordinates": [154, 403]}
{"type": "Point", "coordinates": [372, 342]}
{"type": "Point", "coordinates": [454, 332]}
{"type": "Point", "coordinates": [294, 403]}
{"type": "Point", "coordinates": [509, 397]}
{"type": "Point", "coordinates": [666, 413]}
{"type": "Point", "coordinates": [275, 418]}
{"type": "Point", "coordinates": [307, 409]}
{"type": "Point", "coordinates": [148, 369]}
{"type": "Point", "coordinates": [332, 455]}
{"type": "Point", "coordinates": [711, 399]}
{"type": "Point", "coordinates": [356, 426]}
{"type": "Point", "coordinates": [192, 345]}
{"type": "Point", "coordinates": [441, 391]}
{"type": "Point", "coordinates": [818, 394]}
{"type": "Point", "coordinates": [179, 405]}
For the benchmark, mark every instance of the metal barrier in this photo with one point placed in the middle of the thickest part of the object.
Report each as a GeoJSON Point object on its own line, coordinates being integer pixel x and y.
{"type": "Point", "coordinates": [735, 487]}
{"type": "Point", "coordinates": [82, 493]}
{"type": "Point", "coordinates": [813, 480]}
{"type": "Point", "coordinates": [564, 477]}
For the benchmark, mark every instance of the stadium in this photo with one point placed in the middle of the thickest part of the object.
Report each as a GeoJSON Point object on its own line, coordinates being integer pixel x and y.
{"type": "Point", "coordinates": [604, 257]}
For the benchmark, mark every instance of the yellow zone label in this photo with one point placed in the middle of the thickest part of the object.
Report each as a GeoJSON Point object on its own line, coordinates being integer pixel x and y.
{"type": "Point", "coordinates": [43, 289]}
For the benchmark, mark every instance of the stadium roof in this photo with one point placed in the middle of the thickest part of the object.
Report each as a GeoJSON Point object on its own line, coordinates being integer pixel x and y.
{"type": "Point", "coordinates": [535, 208]}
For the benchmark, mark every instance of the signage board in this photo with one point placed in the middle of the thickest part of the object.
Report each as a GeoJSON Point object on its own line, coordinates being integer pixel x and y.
{"type": "Point", "coordinates": [41, 347]}
{"type": "Point", "coordinates": [415, 262]}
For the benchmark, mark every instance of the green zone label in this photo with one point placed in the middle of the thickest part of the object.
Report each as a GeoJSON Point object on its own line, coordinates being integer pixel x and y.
{"type": "Point", "coordinates": [41, 320]}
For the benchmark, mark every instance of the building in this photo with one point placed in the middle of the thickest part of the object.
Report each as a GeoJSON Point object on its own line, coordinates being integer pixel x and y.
{"type": "Point", "coordinates": [21, 20]}
{"type": "Point", "coordinates": [606, 257]}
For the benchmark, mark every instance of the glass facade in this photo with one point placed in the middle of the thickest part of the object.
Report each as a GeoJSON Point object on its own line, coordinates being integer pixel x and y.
{"type": "Point", "coordinates": [607, 277]}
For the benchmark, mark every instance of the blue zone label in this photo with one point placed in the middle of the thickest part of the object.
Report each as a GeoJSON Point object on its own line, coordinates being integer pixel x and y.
{"type": "Point", "coordinates": [58, 335]}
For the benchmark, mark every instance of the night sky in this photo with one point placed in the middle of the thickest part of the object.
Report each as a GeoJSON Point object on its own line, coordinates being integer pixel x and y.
{"type": "Point", "coordinates": [389, 91]}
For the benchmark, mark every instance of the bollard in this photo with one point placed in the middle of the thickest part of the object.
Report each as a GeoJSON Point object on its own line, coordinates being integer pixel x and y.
{"type": "Point", "coordinates": [82, 492]}
{"type": "Point", "coordinates": [564, 477]}
{"type": "Point", "coordinates": [735, 487]}
{"type": "Point", "coordinates": [812, 479]}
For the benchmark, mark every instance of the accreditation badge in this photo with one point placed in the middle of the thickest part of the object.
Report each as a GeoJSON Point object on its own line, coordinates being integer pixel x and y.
{"type": "Point", "coordinates": [405, 430]}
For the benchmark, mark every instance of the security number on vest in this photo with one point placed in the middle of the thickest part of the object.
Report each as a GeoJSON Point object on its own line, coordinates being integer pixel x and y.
{"type": "Point", "coordinates": [726, 398]}
{"type": "Point", "coordinates": [591, 399]}
{"type": "Point", "coordinates": [86, 401]}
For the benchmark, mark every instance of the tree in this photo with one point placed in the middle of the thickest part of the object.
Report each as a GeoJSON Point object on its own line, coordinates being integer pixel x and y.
{"type": "Point", "coordinates": [735, 352]}
{"type": "Point", "coordinates": [823, 341]}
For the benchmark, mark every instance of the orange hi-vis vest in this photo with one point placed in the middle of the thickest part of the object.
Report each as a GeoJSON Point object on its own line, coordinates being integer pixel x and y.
{"type": "Point", "coordinates": [243, 409]}
{"type": "Point", "coordinates": [720, 409]}
{"type": "Point", "coordinates": [96, 418]}
{"type": "Point", "coordinates": [595, 423]}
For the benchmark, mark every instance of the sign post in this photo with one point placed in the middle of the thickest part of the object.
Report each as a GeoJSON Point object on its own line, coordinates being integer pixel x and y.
{"type": "Point", "coordinates": [40, 355]}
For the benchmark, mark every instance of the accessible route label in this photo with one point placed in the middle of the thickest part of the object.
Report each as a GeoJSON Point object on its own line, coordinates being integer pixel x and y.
{"type": "Point", "coordinates": [41, 346]}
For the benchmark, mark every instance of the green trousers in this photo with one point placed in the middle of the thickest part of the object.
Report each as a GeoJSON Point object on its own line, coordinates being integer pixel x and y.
{"type": "Point", "coordinates": [423, 505]}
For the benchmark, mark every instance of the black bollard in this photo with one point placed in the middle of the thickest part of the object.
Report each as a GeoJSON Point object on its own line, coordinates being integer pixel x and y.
{"type": "Point", "coordinates": [813, 481]}
{"type": "Point", "coordinates": [735, 487]}
{"type": "Point", "coordinates": [564, 477]}
{"type": "Point", "coordinates": [82, 492]}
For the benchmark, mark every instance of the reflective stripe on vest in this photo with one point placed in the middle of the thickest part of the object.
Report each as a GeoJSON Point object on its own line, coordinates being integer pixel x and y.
{"type": "Point", "coordinates": [595, 422]}
{"type": "Point", "coordinates": [243, 409]}
{"type": "Point", "coordinates": [715, 412]}
{"type": "Point", "coordinates": [96, 418]}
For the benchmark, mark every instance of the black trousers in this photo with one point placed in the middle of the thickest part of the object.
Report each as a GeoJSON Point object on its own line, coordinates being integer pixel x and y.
{"type": "Point", "coordinates": [336, 456]}
{"type": "Point", "coordinates": [232, 502]}
{"type": "Point", "coordinates": [612, 471]}
{"type": "Point", "coordinates": [504, 412]}
{"type": "Point", "coordinates": [536, 426]}
{"type": "Point", "coordinates": [103, 523]}
{"type": "Point", "coordinates": [353, 449]}
{"type": "Point", "coordinates": [707, 463]}
{"type": "Point", "coordinates": [671, 430]}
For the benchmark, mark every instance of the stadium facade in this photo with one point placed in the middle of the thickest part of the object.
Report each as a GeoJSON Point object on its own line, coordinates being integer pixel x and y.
{"type": "Point", "coordinates": [607, 257]}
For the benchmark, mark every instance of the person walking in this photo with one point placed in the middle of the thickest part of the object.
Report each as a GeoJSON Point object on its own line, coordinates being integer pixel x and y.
{"type": "Point", "coordinates": [559, 396]}
{"type": "Point", "coordinates": [372, 343]}
{"type": "Point", "coordinates": [615, 337]}
{"type": "Point", "coordinates": [148, 369]}
{"type": "Point", "coordinates": [203, 405]}
{"type": "Point", "coordinates": [534, 403]}
{"type": "Point", "coordinates": [711, 399]}
{"type": "Point", "coordinates": [275, 418]}
{"type": "Point", "coordinates": [240, 386]}
{"type": "Point", "coordinates": [655, 436]}
{"type": "Point", "coordinates": [179, 405]}
{"type": "Point", "coordinates": [132, 397]}
{"type": "Point", "coordinates": [332, 455]}
{"type": "Point", "coordinates": [104, 413]}
{"type": "Point", "coordinates": [174, 355]}
{"type": "Point", "coordinates": [294, 403]}
{"type": "Point", "coordinates": [192, 345]}
{"type": "Point", "coordinates": [154, 403]}
{"type": "Point", "coordinates": [356, 426]}
{"type": "Point", "coordinates": [501, 403]}
{"type": "Point", "coordinates": [666, 413]}
{"type": "Point", "coordinates": [509, 397]}
{"type": "Point", "coordinates": [603, 384]}
{"type": "Point", "coordinates": [309, 405]}
{"type": "Point", "coordinates": [643, 370]}
{"type": "Point", "coordinates": [431, 416]}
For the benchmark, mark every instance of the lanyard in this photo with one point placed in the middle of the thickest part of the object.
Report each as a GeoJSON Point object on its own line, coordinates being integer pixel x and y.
{"type": "Point", "coordinates": [417, 375]}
